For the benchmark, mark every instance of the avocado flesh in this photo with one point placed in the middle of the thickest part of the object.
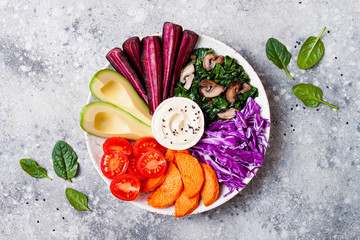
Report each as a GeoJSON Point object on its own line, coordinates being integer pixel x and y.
{"type": "Point", "coordinates": [107, 120]}
{"type": "Point", "coordinates": [110, 86]}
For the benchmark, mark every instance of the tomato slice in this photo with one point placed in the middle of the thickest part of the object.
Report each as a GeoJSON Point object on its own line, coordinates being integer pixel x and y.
{"type": "Point", "coordinates": [125, 187]}
{"type": "Point", "coordinates": [117, 144]}
{"type": "Point", "coordinates": [114, 164]}
{"type": "Point", "coordinates": [152, 164]}
{"type": "Point", "coordinates": [145, 144]}
{"type": "Point", "coordinates": [132, 169]}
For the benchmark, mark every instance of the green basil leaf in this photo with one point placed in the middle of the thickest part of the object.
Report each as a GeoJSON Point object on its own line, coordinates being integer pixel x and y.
{"type": "Point", "coordinates": [310, 95]}
{"type": "Point", "coordinates": [30, 166]}
{"type": "Point", "coordinates": [78, 200]}
{"type": "Point", "coordinates": [278, 54]}
{"type": "Point", "coordinates": [311, 51]}
{"type": "Point", "coordinates": [64, 160]}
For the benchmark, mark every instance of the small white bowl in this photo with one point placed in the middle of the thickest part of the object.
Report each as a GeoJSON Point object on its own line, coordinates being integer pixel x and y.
{"type": "Point", "coordinates": [94, 144]}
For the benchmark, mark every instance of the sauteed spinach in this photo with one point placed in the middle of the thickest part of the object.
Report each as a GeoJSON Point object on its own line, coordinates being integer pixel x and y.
{"type": "Point", "coordinates": [222, 74]}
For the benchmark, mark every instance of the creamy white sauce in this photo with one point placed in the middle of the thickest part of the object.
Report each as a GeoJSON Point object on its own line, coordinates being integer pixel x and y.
{"type": "Point", "coordinates": [178, 123]}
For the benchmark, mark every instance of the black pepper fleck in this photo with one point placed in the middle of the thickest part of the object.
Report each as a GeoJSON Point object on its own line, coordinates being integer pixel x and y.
{"type": "Point", "coordinates": [297, 105]}
{"type": "Point", "coordinates": [53, 230]}
{"type": "Point", "coordinates": [328, 31]}
{"type": "Point", "coordinates": [36, 199]}
{"type": "Point", "coordinates": [317, 110]}
{"type": "Point", "coordinates": [335, 57]}
{"type": "Point", "coordinates": [327, 86]}
{"type": "Point", "coordinates": [163, 120]}
{"type": "Point", "coordinates": [182, 129]}
{"type": "Point", "coordinates": [303, 107]}
{"type": "Point", "coordinates": [300, 2]}
{"type": "Point", "coordinates": [295, 46]}
{"type": "Point", "coordinates": [347, 123]}
{"type": "Point", "coordinates": [57, 209]}
{"type": "Point", "coordinates": [291, 109]}
{"type": "Point", "coordinates": [185, 140]}
{"type": "Point", "coordinates": [341, 75]}
{"type": "Point", "coordinates": [63, 218]}
{"type": "Point", "coordinates": [284, 134]}
{"type": "Point", "coordinates": [44, 199]}
{"type": "Point", "coordinates": [37, 221]}
{"type": "Point", "coordinates": [193, 106]}
{"type": "Point", "coordinates": [171, 142]}
{"type": "Point", "coordinates": [291, 125]}
{"type": "Point", "coordinates": [27, 202]}
{"type": "Point", "coordinates": [293, 130]}
{"type": "Point", "coordinates": [185, 110]}
{"type": "Point", "coordinates": [170, 109]}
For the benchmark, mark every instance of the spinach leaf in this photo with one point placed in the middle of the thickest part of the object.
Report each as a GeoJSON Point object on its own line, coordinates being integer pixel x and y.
{"type": "Point", "coordinates": [78, 200]}
{"type": "Point", "coordinates": [30, 166]}
{"type": "Point", "coordinates": [310, 95]}
{"type": "Point", "coordinates": [311, 51]}
{"type": "Point", "coordinates": [64, 160]}
{"type": "Point", "coordinates": [278, 54]}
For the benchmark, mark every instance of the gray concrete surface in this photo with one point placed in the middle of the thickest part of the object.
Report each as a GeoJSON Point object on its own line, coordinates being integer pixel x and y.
{"type": "Point", "coordinates": [309, 185]}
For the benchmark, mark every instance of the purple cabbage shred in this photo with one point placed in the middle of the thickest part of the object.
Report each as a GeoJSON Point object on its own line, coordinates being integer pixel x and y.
{"type": "Point", "coordinates": [235, 148]}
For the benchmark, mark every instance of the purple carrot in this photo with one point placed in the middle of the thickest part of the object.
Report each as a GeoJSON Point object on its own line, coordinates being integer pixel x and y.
{"type": "Point", "coordinates": [152, 64]}
{"type": "Point", "coordinates": [171, 40]}
{"type": "Point", "coordinates": [131, 48]}
{"type": "Point", "coordinates": [121, 64]}
{"type": "Point", "coordinates": [188, 42]}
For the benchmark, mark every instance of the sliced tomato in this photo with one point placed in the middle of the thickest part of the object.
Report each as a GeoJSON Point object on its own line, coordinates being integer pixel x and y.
{"type": "Point", "coordinates": [152, 164]}
{"type": "Point", "coordinates": [125, 187]}
{"type": "Point", "coordinates": [114, 164]}
{"type": "Point", "coordinates": [145, 144]}
{"type": "Point", "coordinates": [117, 144]}
{"type": "Point", "coordinates": [132, 169]}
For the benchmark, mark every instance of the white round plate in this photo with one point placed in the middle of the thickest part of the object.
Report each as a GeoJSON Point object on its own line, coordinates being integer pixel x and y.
{"type": "Point", "coordinates": [94, 144]}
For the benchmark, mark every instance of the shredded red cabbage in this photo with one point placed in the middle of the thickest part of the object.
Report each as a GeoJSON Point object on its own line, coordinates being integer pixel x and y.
{"type": "Point", "coordinates": [235, 148]}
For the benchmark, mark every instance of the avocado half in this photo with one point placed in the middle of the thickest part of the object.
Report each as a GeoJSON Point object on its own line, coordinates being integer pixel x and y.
{"type": "Point", "coordinates": [110, 86]}
{"type": "Point", "coordinates": [107, 120]}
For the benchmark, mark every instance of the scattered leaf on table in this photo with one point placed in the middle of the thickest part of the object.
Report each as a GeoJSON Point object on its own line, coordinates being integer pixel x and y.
{"type": "Point", "coordinates": [310, 95]}
{"type": "Point", "coordinates": [278, 54]}
{"type": "Point", "coordinates": [34, 170]}
{"type": "Point", "coordinates": [64, 160]}
{"type": "Point", "coordinates": [311, 51]}
{"type": "Point", "coordinates": [78, 200]}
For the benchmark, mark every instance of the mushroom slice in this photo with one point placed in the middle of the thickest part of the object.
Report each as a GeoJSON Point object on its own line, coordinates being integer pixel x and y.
{"type": "Point", "coordinates": [227, 114]}
{"type": "Point", "coordinates": [187, 76]}
{"type": "Point", "coordinates": [210, 60]}
{"type": "Point", "coordinates": [210, 89]}
{"type": "Point", "coordinates": [232, 91]}
{"type": "Point", "coordinates": [245, 87]}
